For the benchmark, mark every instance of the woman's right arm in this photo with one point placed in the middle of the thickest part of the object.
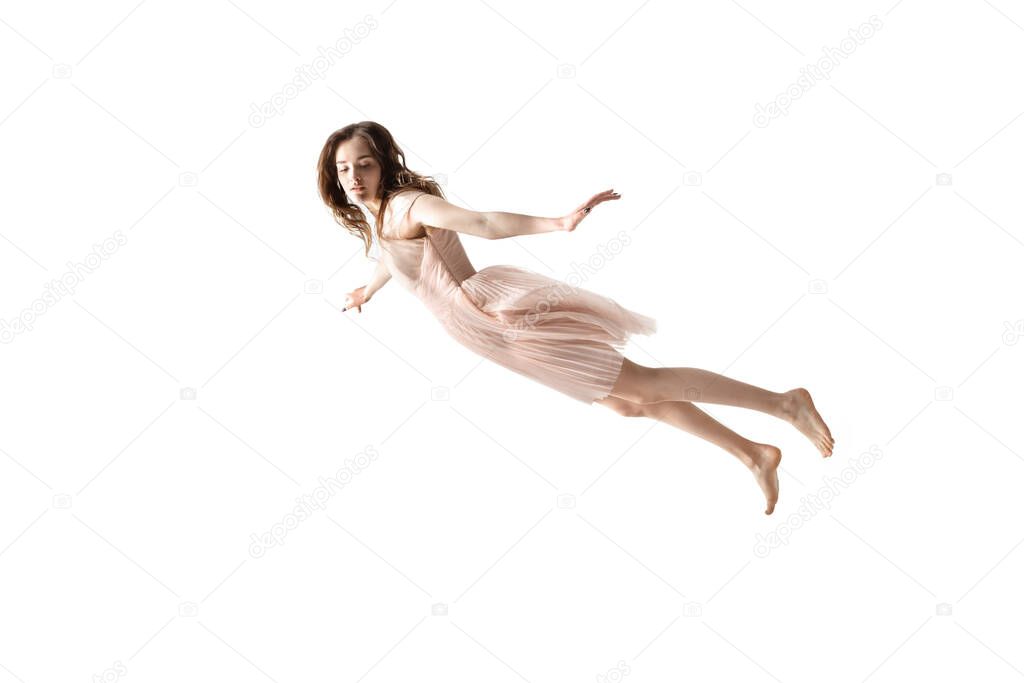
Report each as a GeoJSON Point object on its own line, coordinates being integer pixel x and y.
{"type": "Point", "coordinates": [379, 279]}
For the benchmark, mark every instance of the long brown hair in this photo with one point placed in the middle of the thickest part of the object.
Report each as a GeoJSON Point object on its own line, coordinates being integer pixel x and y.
{"type": "Point", "coordinates": [394, 176]}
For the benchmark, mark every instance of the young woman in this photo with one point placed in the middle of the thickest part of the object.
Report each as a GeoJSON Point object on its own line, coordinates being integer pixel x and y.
{"type": "Point", "coordinates": [567, 338]}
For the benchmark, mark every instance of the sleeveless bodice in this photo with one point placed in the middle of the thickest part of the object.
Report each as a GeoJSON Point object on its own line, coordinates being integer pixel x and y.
{"type": "Point", "coordinates": [433, 267]}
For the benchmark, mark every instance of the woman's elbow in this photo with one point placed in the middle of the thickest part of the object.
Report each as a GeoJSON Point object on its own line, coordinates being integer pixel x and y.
{"type": "Point", "coordinates": [485, 227]}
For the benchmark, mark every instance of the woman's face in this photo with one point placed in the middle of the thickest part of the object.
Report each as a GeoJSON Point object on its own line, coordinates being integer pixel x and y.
{"type": "Point", "coordinates": [358, 170]}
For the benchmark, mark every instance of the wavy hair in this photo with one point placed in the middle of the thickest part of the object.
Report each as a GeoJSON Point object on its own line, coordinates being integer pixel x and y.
{"type": "Point", "coordinates": [395, 176]}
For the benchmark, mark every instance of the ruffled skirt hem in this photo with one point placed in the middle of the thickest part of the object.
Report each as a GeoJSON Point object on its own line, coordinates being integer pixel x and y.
{"type": "Point", "coordinates": [566, 337]}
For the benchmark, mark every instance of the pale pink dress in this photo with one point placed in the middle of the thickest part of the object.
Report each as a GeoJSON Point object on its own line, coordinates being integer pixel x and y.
{"type": "Point", "coordinates": [565, 337]}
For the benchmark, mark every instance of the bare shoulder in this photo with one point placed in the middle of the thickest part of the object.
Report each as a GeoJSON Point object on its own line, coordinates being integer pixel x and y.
{"type": "Point", "coordinates": [398, 222]}
{"type": "Point", "coordinates": [436, 212]}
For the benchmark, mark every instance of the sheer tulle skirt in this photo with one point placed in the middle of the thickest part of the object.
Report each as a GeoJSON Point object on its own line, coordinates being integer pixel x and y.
{"type": "Point", "coordinates": [565, 337]}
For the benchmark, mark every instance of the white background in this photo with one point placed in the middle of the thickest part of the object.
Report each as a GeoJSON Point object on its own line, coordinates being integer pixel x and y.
{"type": "Point", "coordinates": [820, 250]}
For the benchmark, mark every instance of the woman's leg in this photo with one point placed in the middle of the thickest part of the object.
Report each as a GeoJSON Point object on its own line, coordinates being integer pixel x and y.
{"type": "Point", "coordinates": [761, 459]}
{"type": "Point", "coordinates": [641, 384]}
{"type": "Point", "coordinates": [645, 385]}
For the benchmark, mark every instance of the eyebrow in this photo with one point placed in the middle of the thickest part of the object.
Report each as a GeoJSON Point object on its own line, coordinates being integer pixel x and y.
{"type": "Point", "coordinates": [339, 163]}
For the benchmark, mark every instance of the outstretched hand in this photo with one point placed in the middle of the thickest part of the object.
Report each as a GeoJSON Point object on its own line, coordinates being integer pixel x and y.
{"type": "Point", "coordinates": [570, 222]}
{"type": "Point", "coordinates": [356, 298]}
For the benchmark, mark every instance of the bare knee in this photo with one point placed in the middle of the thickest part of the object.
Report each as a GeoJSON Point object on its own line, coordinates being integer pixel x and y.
{"type": "Point", "coordinates": [623, 407]}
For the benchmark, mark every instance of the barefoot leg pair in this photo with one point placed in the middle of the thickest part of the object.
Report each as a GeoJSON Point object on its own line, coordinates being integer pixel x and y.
{"type": "Point", "coordinates": [668, 394]}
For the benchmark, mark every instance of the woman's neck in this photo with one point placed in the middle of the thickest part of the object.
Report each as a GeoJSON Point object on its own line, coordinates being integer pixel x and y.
{"type": "Point", "coordinates": [373, 205]}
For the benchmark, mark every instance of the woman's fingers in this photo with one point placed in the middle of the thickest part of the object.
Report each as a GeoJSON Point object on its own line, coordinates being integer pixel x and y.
{"type": "Point", "coordinates": [587, 206]}
{"type": "Point", "coordinates": [598, 198]}
{"type": "Point", "coordinates": [352, 297]}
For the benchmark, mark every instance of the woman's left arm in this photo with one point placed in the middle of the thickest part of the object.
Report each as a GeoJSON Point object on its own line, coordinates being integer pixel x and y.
{"type": "Point", "coordinates": [426, 209]}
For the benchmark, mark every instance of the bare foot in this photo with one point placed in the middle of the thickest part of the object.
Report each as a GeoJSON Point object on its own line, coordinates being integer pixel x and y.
{"type": "Point", "coordinates": [799, 411]}
{"type": "Point", "coordinates": [765, 467]}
